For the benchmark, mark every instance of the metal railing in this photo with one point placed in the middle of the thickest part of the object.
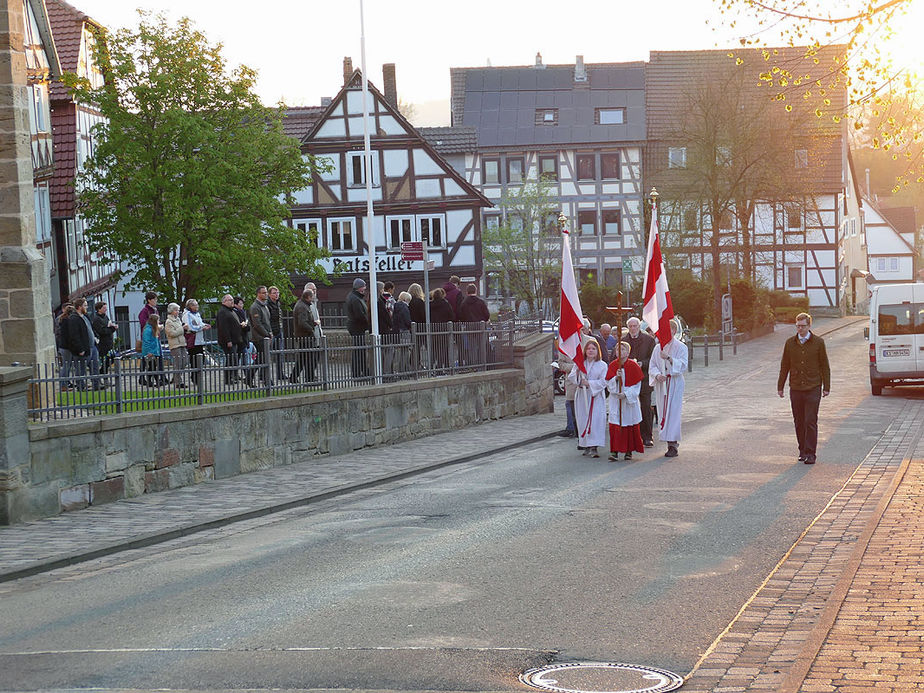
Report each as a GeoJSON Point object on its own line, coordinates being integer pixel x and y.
{"type": "Point", "coordinates": [282, 366]}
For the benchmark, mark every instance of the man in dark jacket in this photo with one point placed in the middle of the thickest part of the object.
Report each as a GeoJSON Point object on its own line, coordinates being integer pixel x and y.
{"type": "Point", "coordinates": [81, 342]}
{"type": "Point", "coordinates": [260, 330]}
{"type": "Point", "coordinates": [357, 326]}
{"type": "Point", "coordinates": [473, 311]}
{"type": "Point", "coordinates": [641, 346]}
{"type": "Point", "coordinates": [104, 329]}
{"type": "Point", "coordinates": [305, 330]}
{"type": "Point", "coordinates": [453, 294]}
{"type": "Point", "coordinates": [805, 361]}
{"type": "Point", "coordinates": [230, 338]}
{"type": "Point", "coordinates": [275, 312]}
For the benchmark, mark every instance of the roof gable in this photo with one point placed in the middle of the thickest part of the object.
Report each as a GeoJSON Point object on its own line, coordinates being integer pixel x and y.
{"type": "Point", "coordinates": [342, 121]}
{"type": "Point", "coordinates": [67, 27]}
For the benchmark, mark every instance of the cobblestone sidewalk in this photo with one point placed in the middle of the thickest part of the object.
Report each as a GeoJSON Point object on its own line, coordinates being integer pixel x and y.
{"type": "Point", "coordinates": [842, 610]}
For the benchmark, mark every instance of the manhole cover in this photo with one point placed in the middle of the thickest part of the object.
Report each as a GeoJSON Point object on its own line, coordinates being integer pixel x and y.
{"type": "Point", "coordinates": [601, 677]}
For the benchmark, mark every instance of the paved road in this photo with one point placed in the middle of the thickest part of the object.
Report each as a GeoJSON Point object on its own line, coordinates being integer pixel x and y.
{"type": "Point", "coordinates": [460, 578]}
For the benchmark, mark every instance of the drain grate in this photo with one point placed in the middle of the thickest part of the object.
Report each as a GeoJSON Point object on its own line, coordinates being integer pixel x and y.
{"type": "Point", "coordinates": [601, 677]}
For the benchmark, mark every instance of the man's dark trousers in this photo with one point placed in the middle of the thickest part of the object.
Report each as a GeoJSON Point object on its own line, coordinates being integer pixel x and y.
{"type": "Point", "coordinates": [804, 405]}
{"type": "Point", "coordinates": [644, 401]}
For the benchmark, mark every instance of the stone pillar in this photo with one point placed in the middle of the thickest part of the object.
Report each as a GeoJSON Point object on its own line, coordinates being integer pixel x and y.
{"type": "Point", "coordinates": [14, 443]}
{"type": "Point", "coordinates": [26, 328]}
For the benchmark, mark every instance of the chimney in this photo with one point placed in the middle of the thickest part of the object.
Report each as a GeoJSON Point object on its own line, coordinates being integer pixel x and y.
{"type": "Point", "coordinates": [539, 59]}
{"type": "Point", "coordinates": [580, 74]}
{"type": "Point", "coordinates": [347, 69]}
{"type": "Point", "coordinates": [390, 84]}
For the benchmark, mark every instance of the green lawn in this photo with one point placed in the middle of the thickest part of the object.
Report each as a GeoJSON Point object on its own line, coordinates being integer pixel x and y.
{"type": "Point", "coordinates": [151, 398]}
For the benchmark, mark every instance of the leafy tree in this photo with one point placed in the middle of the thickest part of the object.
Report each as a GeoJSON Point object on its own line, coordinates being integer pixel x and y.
{"type": "Point", "coordinates": [861, 45]}
{"type": "Point", "coordinates": [594, 300]}
{"type": "Point", "coordinates": [525, 247]}
{"type": "Point", "coordinates": [738, 153]}
{"type": "Point", "coordinates": [188, 183]}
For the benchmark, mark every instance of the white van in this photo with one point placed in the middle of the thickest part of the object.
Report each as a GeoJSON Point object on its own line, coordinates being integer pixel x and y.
{"type": "Point", "coordinates": [896, 335]}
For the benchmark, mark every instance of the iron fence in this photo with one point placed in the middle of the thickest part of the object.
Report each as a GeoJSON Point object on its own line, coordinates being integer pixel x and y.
{"type": "Point", "coordinates": [129, 382]}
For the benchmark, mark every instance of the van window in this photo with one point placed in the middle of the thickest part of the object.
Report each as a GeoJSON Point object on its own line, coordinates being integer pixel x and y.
{"type": "Point", "coordinates": [897, 319]}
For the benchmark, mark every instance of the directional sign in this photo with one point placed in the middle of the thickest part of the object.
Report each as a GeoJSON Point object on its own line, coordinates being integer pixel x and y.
{"type": "Point", "coordinates": [412, 250]}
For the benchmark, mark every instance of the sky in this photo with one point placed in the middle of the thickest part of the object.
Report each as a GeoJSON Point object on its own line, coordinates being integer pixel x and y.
{"type": "Point", "coordinates": [298, 46]}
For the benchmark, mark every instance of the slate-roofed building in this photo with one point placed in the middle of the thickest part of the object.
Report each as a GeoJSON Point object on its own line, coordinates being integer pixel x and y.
{"type": "Point", "coordinates": [80, 272]}
{"type": "Point", "coordinates": [416, 194]}
{"type": "Point", "coordinates": [791, 233]}
{"type": "Point", "coordinates": [582, 128]}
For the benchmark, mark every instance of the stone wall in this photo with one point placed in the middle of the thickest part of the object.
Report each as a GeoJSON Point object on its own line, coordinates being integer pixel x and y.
{"type": "Point", "coordinates": [73, 464]}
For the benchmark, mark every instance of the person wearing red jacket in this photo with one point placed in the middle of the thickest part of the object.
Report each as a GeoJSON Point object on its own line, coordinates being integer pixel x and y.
{"type": "Point", "coordinates": [624, 382]}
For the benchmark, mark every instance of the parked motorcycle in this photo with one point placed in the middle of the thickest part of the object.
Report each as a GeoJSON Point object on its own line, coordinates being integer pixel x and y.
{"type": "Point", "coordinates": [558, 378]}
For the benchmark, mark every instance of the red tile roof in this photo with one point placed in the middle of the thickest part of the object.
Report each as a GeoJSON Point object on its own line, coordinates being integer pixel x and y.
{"type": "Point", "coordinates": [66, 29]}
{"type": "Point", "coordinates": [64, 136]}
{"type": "Point", "coordinates": [297, 121]}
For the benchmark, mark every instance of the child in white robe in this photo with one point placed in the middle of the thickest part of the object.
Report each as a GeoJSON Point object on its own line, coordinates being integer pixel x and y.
{"type": "Point", "coordinates": [590, 400]}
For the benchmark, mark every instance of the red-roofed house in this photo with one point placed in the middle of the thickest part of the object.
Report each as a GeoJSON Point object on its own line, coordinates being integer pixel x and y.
{"type": "Point", "coordinates": [80, 272]}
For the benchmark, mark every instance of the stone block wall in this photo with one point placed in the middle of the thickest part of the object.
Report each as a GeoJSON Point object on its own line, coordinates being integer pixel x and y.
{"type": "Point", "coordinates": [73, 464]}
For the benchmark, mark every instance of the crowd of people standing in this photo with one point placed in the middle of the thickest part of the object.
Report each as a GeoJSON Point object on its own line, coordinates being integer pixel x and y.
{"type": "Point", "coordinates": [85, 343]}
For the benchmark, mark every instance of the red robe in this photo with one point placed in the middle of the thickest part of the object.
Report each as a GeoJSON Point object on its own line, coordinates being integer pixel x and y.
{"type": "Point", "coordinates": [626, 438]}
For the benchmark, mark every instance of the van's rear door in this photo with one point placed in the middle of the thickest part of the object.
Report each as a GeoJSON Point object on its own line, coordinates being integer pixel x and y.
{"type": "Point", "coordinates": [919, 326]}
{"type": "Point", "coordinates": [896, 348]}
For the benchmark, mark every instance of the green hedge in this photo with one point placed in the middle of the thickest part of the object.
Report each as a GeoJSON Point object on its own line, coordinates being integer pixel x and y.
{"type": "Point", "coordinates": [788, 313]}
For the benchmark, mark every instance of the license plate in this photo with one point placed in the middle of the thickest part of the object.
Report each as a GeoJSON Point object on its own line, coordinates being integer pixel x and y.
{"type": "Point", "coordinates": [895, 352]}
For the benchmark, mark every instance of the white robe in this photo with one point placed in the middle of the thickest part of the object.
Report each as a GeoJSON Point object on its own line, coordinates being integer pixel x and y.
{"type": "Point", "coordinates": [668, 396]}
{"type": "Point", "coordinates": [630, 408]}
{"type": "Point", "coordinates": [590, 404]}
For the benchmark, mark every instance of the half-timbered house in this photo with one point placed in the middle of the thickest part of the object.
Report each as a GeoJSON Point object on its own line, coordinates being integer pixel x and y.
{"type": "Point", "coordinates": [80, 272]}
{"type": "Point", "coordinates": [416, 194]}
{"type": "Point", "coordinates": [787, 236]}
{"type": "Point", "coordinates": [579, 127]}
{"type": "Point", "coordinates": [41, 67]}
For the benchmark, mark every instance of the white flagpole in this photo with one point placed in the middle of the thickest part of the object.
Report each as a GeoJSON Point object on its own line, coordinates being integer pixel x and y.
{"type": "Point", "coordinates": [369, 235]}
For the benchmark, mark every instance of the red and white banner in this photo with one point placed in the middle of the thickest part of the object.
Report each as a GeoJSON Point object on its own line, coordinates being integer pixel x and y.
{"type": "Point", "coordinates": [658, 310]}
{"type": "Point", "coordinates": [571, 321]}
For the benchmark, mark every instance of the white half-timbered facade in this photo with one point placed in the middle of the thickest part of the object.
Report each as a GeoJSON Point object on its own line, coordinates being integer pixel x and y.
{"type": "Point", "coordinates": [794, 238]}
{"type": "Point", "coordinates": [578, 127]}
{"type": "Point", "coordinates": [81, 272]}
{"type": "Point", "coordinates": [416, 196]}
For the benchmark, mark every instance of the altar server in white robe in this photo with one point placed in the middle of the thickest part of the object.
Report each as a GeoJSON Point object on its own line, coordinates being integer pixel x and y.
{"type": "Point", "coordinates": [590, 400]}
{"type": "Point", "coordinates": [666, 372]}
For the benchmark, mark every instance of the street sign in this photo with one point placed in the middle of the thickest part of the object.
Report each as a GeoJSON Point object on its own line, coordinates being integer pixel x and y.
{"type": "Point", "coordinates": [412, 250]}
{"type": "Point", "coordinates": [627, 265]}
{"type": "Point", "coordinates": [726, 314]}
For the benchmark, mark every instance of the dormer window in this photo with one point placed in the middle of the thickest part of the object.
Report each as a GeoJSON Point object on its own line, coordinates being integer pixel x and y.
{"type": "Point", "coordinates": [546, 116]}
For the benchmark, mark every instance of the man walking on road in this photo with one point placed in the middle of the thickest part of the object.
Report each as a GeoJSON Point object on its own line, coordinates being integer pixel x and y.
{"type": "Point", "coordinates": [805, 361]}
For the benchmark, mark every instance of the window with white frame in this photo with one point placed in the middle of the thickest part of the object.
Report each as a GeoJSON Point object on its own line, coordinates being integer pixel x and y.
{"type": "Point", "coordinates": [432, 228]}
{"type": "Point", "coordinates": [794, 277]}
{"type": "Point", "coordinates": [611, 224]}
{"type": "Point", "coordinates": [676, 157]}
{"type": "Point", "coordinates": [515, 170]}
{"type": "Point", "coordinates": [311, 228]}
{"type": "Point", "coordinates": [340, 234]}
{"type": "Point", "coordinates": [356, 170]}
{"type": "Point", "coordinates": [723, 156]}
{"type": "Point", "coordinates": [492, 221]}
{"type": "Point", "coordinates": [610, 116]}
{"type": "Point", "coordinates": [801, 158]}
{"type": "Point", "coordinates": [400, 230]}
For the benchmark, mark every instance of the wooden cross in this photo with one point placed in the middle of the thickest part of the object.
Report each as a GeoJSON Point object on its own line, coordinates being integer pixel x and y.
{"type": "Point", "coordinates": [618, 312]}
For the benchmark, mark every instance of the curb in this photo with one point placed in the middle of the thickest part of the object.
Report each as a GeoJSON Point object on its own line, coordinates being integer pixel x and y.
{"type": "Point", "coordinates": [146, 540]}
